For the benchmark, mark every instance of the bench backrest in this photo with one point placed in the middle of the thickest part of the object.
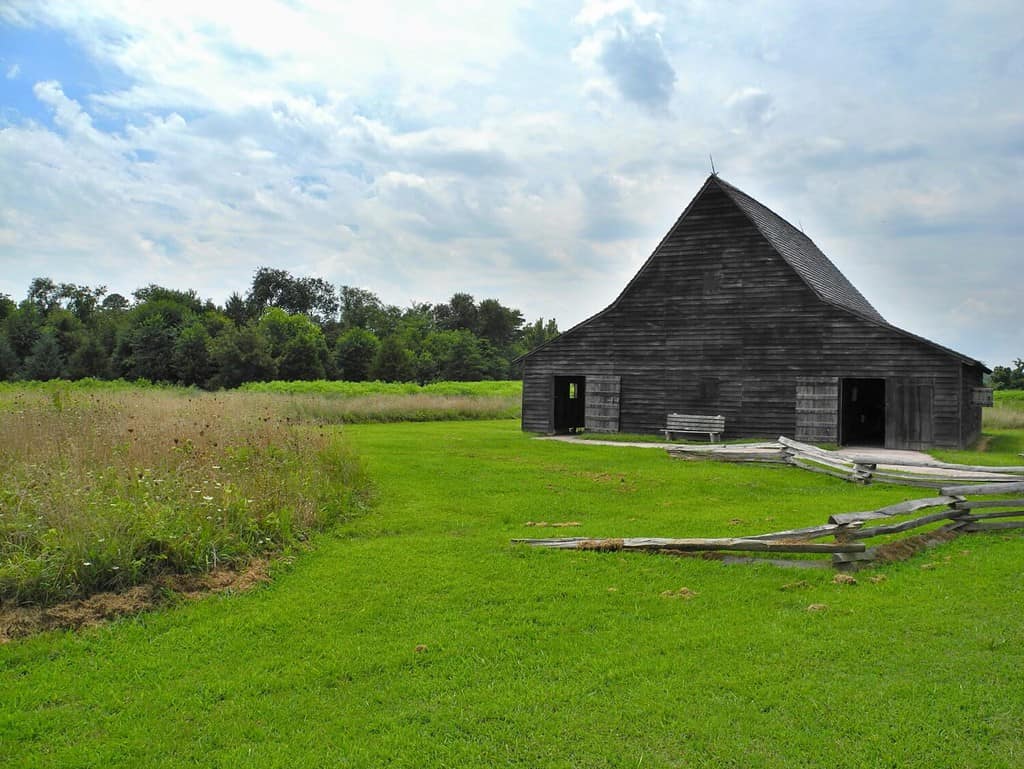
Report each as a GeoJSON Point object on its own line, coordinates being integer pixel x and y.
{"type": "Point", "coordinates": [696, 423]}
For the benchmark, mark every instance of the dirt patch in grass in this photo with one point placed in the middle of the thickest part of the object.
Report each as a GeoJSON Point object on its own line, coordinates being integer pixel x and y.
{"type": "Point", "coordinates": [684, 592]}
{"type": "Point", "coordinates": [20, 621]}
{"type": "Point", "coordinates": [905, 548]}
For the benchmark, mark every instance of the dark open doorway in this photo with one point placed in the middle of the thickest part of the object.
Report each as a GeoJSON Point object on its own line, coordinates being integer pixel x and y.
{"type": "Point", "coordinates": [570, 403]}
{"type": "Point", "coordinates": [862, 412]}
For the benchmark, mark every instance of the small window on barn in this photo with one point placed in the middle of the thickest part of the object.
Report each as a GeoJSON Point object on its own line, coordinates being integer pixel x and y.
{"type": "Point", "coordinates": [708, 391]}
{"type": "Point", "coordinates": [572, 391]}
{"type": "Point", "coordinates": [712, 281]}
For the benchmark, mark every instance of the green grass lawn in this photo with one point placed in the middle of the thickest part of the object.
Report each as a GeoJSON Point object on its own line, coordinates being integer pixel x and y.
{"type": "Point", "coordinates": [543, 658]}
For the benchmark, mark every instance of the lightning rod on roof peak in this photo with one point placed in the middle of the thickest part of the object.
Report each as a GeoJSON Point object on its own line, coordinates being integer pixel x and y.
{"type": "Point", "coordinates": [712, 159]}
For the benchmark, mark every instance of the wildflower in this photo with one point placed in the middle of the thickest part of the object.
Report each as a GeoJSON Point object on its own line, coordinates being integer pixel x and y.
{"type": "Point", "coordinates": [86, 563]}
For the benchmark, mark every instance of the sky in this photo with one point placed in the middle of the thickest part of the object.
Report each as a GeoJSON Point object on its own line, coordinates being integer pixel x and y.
{"type": "Point", "coordinates": [532, 152]}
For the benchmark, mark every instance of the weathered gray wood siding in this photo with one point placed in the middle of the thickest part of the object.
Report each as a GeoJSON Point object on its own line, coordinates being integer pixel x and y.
{"type": "Point", "coordinates": [970, 417]}
{"type": "Point", "coordinates": [717, 323]}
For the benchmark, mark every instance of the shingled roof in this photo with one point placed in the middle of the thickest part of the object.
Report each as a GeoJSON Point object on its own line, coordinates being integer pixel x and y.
{"type": "Point", "coordinates": [799, 251]}
{"type": "Point", "coordinates": [813, 267]}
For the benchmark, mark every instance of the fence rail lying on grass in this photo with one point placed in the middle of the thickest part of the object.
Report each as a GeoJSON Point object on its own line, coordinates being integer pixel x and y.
{"type": "Point", "coordinates": [905, 471]}
{"type": "Point", "coordinates": [848, 549]}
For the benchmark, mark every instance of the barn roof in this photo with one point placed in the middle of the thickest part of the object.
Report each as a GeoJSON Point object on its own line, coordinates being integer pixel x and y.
{"type": "Point", "coordinates": [799, 251]}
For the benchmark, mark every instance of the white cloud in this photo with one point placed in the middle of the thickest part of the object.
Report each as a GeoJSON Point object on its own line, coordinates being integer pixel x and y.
{"type": "Point", "coordinates": [418, 149]}
{"type": "Point", "coordinates": [13, 71]}
{"type": "Point", "coordinates": [752, 107]}
{"type": "Point", "coordinates": [209, 55]}
{"type": "Point", "coordinates": [623, 50]}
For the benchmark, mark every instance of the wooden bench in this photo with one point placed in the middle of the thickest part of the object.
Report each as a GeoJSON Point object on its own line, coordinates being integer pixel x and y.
{"type": "Point", "coordinates": [693, 423]}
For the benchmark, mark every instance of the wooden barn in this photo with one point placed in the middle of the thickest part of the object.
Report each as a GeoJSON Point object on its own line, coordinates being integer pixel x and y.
{"type": "Point", "coordinates": [737, 313]}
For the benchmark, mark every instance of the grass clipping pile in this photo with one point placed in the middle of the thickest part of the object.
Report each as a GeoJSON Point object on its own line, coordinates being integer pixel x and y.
{"type": "Point", "coordinates": [20, 621]}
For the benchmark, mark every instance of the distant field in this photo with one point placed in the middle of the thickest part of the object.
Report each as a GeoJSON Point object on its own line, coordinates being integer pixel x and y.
{"type": "Point", "coordinates": [354, 389]}
{"type": "Point", "coordinates": [1007, 413]}
{"type": "Point", "coordinates": [1013, 398]}
{"type": "Point", "coordinates": [360, 402]}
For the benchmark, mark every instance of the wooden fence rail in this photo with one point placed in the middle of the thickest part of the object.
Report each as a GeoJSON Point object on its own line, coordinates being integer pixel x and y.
{"type": "Point", "coordinates": [906, 471]}
{"type": "Point", "coordinates": [848, 549]}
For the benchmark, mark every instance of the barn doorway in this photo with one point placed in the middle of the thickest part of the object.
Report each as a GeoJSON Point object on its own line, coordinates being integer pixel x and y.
{"type": "Point", "coordinates": [570, 409]}
{"type": "Point", "coordinates": [862, 412]}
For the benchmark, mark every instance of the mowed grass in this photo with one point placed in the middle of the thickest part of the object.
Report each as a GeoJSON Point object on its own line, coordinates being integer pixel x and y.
{"type": "Point", "coordinates": [542, 658]}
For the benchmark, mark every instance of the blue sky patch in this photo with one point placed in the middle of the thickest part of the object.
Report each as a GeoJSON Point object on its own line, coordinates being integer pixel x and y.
{"type": "Point", "coordinates": [40, 54]}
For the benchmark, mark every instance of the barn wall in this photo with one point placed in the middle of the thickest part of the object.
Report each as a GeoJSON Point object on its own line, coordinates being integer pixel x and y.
{"type": "Point", "coordinates": [970, 423]}
{"type": "Point", "coordinates": [718, 323]}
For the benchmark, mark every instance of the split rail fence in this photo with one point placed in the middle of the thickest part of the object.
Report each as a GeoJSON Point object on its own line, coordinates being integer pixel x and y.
{"type": "Point", "coordinates": [958, 506]}
{"type": "Point", "coordinates": [859, 469]}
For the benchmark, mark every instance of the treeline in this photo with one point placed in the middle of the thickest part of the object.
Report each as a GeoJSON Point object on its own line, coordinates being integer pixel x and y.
{"type": "Point", "coordinates": [1007, 377]}
{"type": "Point", "coordinates": [283, 327]}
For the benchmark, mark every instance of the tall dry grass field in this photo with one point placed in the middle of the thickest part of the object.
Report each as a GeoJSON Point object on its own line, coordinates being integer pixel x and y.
{"type": "Point", "coordinates": [1007, 413]}
{"type": "Point", "coordinates": [101, 490]}
{"type": "Point", "coordinates": [414, 407]}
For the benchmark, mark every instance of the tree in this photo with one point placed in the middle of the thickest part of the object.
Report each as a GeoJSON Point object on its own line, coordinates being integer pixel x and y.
{"type": "Point", "coordinates": [146, 349]}
{"type": "Point", "coordinates": [7, 306]}
{"type": "Point", "coordinates": [460, 313]}
{"type": "Point", "coordinates": [90, 359]}
{"type": "Point", "coordinates": [145, 344]}
{"type": "Point", "coordinates": [23, 327]}
{"type": "Point", "coordinates": [1006, 378]}
{"type": "Point", "coordinates": [354, 354]}
{"type": "Point", "coordinates": [8, 361]}
{"type": "Point", "coordinates": [303, 359]}
{"type": "Point", "coordinates": [114, 303]}
{"type": "Point", "coordinates": [242, 356]}
{"type": "Point", "coordinates": [313, 297]}
{"type": "Point", "coordinates": [359, 308]}
{"type": "Point", "coordinates": [81, 301]}
{"type": "Point", "coordinates": [190, 357]}
{"type": "Point", "coordinates": [44, 294]}
{"type": "Point", "coordinates": [498, 324]}
{"type": "Point", "coordinates": [460, 356]}
{"type": "Point", "coordinates": [392, 362]}
{"type": "Point", "coordinates": [69, 331]}
{"type": "Point", "coordinates": [45, 362]}
{"type": "Point", "coordinates": [188, 299]}
{"type": "Point", "coordinates": [535, 334]}
{"type": "Point", "coordinates": [237, 309]}
{"type": "Point", "coordinates": [296, 344]}
{"type": "Point", "coordinates": [216, 323]}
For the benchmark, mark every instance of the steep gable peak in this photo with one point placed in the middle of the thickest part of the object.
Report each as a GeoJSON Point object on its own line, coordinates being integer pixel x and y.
{"type": "Point", "coordinates": [799, 252]}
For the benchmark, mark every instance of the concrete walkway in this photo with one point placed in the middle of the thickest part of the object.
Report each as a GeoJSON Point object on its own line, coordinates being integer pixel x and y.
{"type": "Point", "coordinates": [898, 456]}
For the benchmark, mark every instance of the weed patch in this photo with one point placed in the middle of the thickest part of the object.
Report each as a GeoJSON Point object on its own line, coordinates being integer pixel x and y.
{"type": "Point", "coordinates": [103, 490]}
